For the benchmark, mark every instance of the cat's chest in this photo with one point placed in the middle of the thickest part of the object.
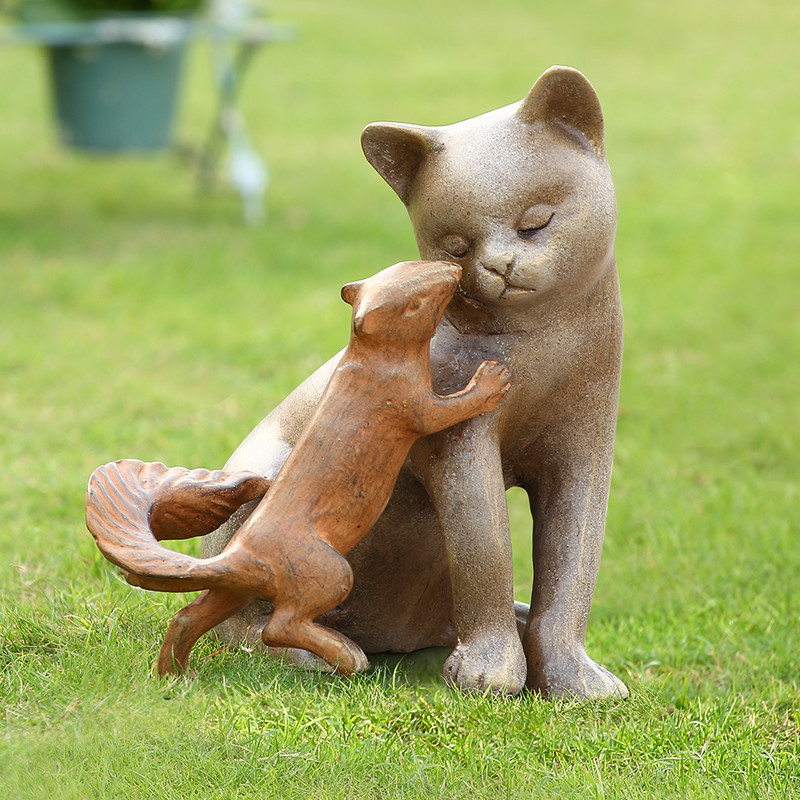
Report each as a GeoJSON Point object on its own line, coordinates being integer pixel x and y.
{"type": "Point", "coordinates": [533, 361]}
{"type": "Point", "coordinates": [455, 357]}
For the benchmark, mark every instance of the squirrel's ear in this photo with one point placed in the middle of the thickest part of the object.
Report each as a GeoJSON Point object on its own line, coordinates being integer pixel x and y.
{"type": "Point", "coordinates": [564, 96]}
{"type": "Point", "coordinates": [350, 292]}
{"type": "Point", "coordinates": [397, 152]}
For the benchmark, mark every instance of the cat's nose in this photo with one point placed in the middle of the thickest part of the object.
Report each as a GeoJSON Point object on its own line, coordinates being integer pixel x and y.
{"type": "Point", "coordinates": [500, 263]}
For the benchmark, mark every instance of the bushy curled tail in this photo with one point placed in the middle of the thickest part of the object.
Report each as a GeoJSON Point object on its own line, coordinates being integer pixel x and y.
{"type": "Point", "coordinates": [131, 505]}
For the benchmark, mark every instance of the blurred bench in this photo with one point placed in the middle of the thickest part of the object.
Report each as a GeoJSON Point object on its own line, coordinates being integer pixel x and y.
{"type": "Point", "coordinates": [234, 33]}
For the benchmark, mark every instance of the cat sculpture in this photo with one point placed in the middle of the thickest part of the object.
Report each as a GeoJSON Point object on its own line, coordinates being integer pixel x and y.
{"type": "Point", "coordinates": [522, 199]}
{"type": "Point", "coordinates": [327, 496]}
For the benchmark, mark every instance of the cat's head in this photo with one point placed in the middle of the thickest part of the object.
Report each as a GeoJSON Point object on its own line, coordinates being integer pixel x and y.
{"type": "Point", "coordinates": [403, 303]}
{"type": "Point", "coordinates": [521, 198]}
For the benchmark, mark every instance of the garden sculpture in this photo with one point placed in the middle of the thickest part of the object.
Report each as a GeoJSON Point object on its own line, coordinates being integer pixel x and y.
{"type": "Point", "coordinates": [522, 199]}
{"type": "Point", "coordinates": [329, 493]}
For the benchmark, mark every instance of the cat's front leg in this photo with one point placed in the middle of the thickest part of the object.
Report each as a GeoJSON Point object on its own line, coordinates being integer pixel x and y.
{"type": "Point", "coordinates": [461, 471]}
{"type": "Point", "coordinates": [568, 503]}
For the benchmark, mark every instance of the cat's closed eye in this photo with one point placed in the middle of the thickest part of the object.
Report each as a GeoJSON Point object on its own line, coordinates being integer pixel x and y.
{"type": "Point", "coordinates": [455, 245]}
{"type": "Point", "coordinates": [534, 219]}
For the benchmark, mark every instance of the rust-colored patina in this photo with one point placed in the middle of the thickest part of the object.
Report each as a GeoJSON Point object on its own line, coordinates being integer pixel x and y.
{"type": "Point", "coordinates": [327, 496]}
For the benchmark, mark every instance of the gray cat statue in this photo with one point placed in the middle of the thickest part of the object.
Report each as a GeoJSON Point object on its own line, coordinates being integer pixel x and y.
{"type": "Point", "coordinates": [522, 200]}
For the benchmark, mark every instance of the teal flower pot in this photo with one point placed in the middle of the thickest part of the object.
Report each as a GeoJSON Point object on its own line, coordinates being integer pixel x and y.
{"type": "Point", "coordinates": [116, 96]}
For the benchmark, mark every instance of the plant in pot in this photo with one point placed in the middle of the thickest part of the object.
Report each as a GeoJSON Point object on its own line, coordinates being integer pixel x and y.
{"type": "Point", "coordinates": [115, 67]}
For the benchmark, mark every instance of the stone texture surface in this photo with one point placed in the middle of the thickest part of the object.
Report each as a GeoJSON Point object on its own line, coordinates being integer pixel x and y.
{"type": "Point", "coordinates": [522, 199]}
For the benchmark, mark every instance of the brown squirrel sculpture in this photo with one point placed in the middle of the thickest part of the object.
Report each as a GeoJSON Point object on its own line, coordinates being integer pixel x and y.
{"type": "Point", "coordinates": [325, 499]}
{"type": "Point", "coordinates": [522, 198]}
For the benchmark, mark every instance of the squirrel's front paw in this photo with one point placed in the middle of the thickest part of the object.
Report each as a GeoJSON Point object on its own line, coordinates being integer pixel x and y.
{"type": "Point", "coordinates": [493, 382]}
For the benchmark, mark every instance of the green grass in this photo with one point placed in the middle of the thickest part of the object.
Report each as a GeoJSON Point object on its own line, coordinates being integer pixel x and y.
{"type": "Point", "coordinates": [138, 318]}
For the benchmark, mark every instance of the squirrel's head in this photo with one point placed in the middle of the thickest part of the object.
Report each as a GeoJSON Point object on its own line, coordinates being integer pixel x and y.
{"type": "Point", "coordinates": [404, 302]}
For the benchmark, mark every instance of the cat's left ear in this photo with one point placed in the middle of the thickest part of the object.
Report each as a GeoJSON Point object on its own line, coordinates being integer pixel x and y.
{"type": "Point", "coordinates": [564, 95]}
{"type": "Point", "coordinates": [397, 152]}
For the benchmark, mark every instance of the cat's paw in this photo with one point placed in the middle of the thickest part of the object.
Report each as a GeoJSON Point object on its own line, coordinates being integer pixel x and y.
{"type": "Point", "coordinates": [492, 381]}
{"type": "Point", "coordinates": [487, 664]}
{"type": "Point", "coordinates": [573, 675]}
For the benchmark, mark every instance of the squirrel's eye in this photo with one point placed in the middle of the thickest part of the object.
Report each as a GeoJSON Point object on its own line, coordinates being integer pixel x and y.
{"type": "Point", "coordinates": [455, 245]}
{"type": "Point", "coordinates": [534, 219]}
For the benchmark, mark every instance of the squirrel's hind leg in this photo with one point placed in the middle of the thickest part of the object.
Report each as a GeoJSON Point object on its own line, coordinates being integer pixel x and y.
{"type": "Point", "coordinates": [286, 629]}
{"type": "Point", "coordinates": [320, 579]}
{"type": "Point", "coordinates": [190, 623]}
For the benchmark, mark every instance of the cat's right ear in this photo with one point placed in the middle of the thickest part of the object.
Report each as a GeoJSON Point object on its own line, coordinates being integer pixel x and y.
{"type": "Point", "coordinates": [350, 292]}
{"type": "Point", "coordinates": [397, 152]}
{"type": "Point", "coordinates": [564, 96]}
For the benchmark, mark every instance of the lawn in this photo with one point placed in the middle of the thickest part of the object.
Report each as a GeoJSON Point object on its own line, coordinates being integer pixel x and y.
{"type": "Point", "coordinates": [139, 318]}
